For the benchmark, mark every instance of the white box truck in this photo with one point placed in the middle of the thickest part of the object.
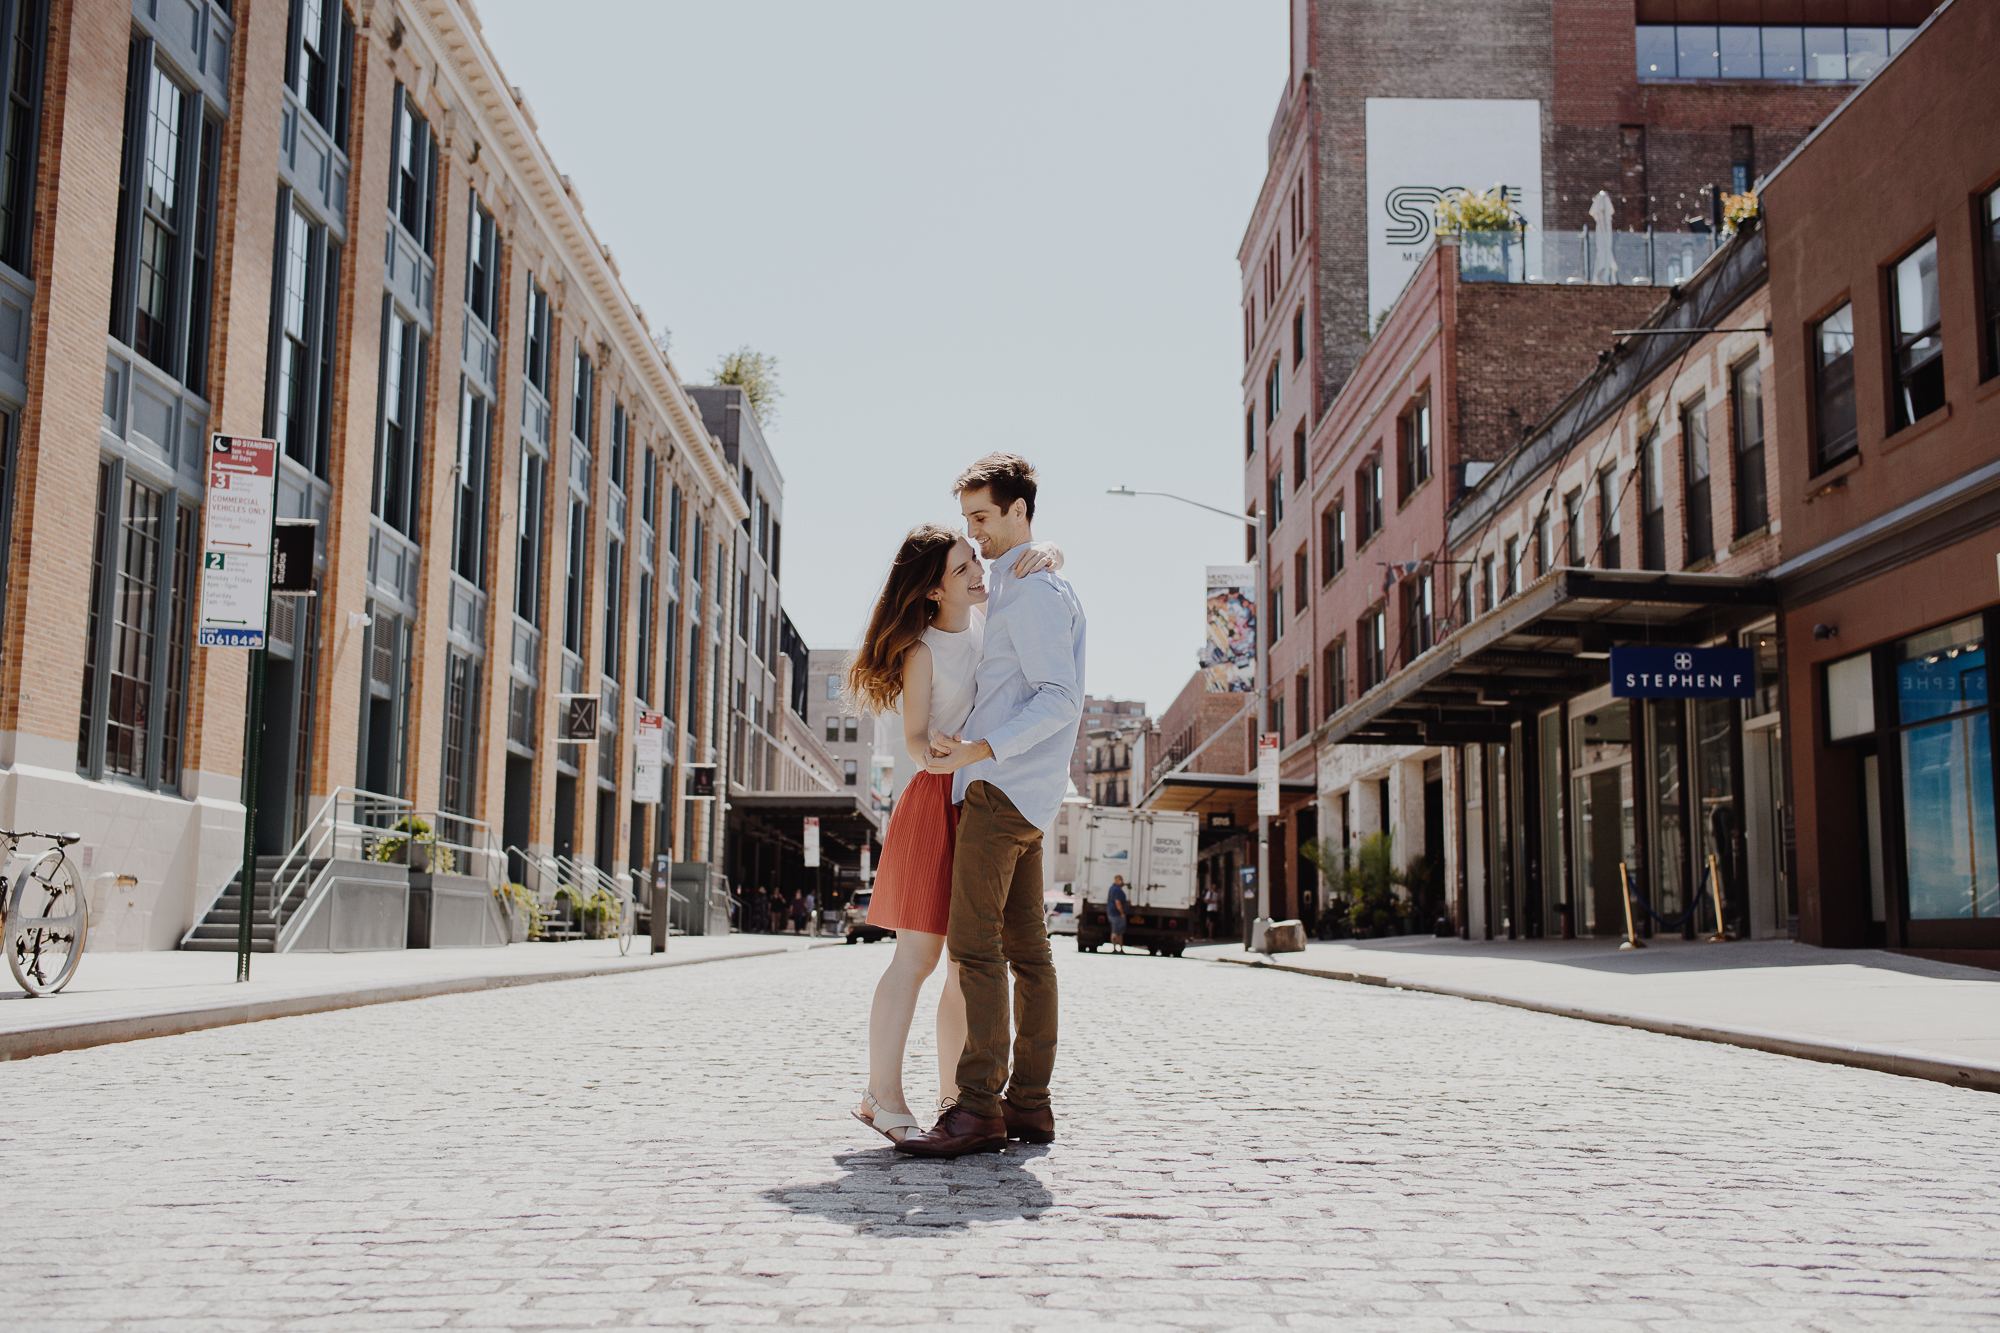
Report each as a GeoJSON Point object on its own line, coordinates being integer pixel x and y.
{"type": "Point", "coordinates": [1155, 851]}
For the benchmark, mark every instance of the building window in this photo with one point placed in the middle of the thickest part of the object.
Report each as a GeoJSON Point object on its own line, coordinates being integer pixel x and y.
{"type": "Point", "coordinates": [1486, 588]}
{"type": "Point", "coordinates": [853, 729]}
{"type": "Point", "coordinates": [161, 266]}
{"type": "Point", "coordinates": [1919, 349]}
{"type": "Point", "coordinates": [1062, 844]}
{"type": "Point", "coordinates": [573, 578]}
{"type": "Point", "coordinates": [1544, 557]}
{"type": "Point", "coordinates": [1301, 705]}
{"type": "Point", "coordinates": [642, 680]}
{"type": "Point", "coordinates": [399, 435]}
{"type": "Point", "coordinates": [320, 52]}
{"type": "Point", "coordinates": [583, 413]}
{"type": "Point", "coordinates": [536, 366]}
{"type": "Point", "coordinates": [649, 488]}
{"type": "Point", "coordinates": [1298, 335]}
{"type": "Point", "coordinates": [21, 38]}
{"type": "Point", "coordinates": [1301, 563]}
{"type": "Point", "coordinates": [1419, 617]}
{"type": "Point", "coordinates": [136, 633]}
{"type": "Point", "coordinates": [1277, 719]}
{"type": "Point", "coordinates": [614, 609]}
{"type": "Point", "coordinates": [1413, 447]}
{"type": "Point", "coordinates": [1274, 501]}
{"type": "Point", "coordinates": [1608, 525]}
{"type": "Point", "coordinates": [1299, 455]}
{"type": "Point", "coordinates": [1694, 461]}
{"type": "Point", "coordinates": [833, 685]}
{"type": "Point", "coordinates": [1741, 51]}
{"type": "Point", "coordinates": [621, 445]}
{"type": "Point", "coordinates": [851, 771]}
{"type": "Point", "coordinates": [1652, 503]}
{"type": "Point", "coordinates": [299, 389]}
{"type": "Point", "coordinates": [1334, 673]}
{"type": "Point", "coordinates": [1368, 500]}
{"type": "Point", "coordinates": [1989, 236]}
{"type": "Point", "coordinates": [482, 263]}
{"type": "Point", "coordinates": [1333, 539]}
{"type": "Point", "coordinates": [531, 537]}
{"type": "Point", "coordinates": [1746, 400]}
{"type": "Point", "coordinates": [1374, 636]}
{"type": "Point", "coordinates": [670, 637]}
{"type": "Point", "coordinates": [413, 174]}
{"type": "Point", "coordinates": [1273, 399]}
{"type": "Point", "coordinates": [1833, 386]}
{"type": "Point", "coordinates": [832, 726]}
{"type": "Point", "coordinates": [1277, 594]}
{"type": "Point", "coordinates": [1573, 527]}
{"type": "Point", "coordinates": [1250, 434]}
{"type": "Point", "coordinates": [1512, 572]}
{"type": "Point", "coordinates": [475, 452]}
{"type": "Point", "coordinates": [461, 733]}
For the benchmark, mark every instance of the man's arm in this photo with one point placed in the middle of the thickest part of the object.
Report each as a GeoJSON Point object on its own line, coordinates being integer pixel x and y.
{"type": "Point", "coordinates": [1044, 641]}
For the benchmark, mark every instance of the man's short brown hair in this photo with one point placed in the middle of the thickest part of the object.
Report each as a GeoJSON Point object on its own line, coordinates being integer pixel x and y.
{"type": "Point", "coordinates": [1009, 476]}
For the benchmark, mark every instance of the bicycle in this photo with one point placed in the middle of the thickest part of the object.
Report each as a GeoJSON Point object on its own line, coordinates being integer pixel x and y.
{"type": "Point", "coordinates": [42, 913]}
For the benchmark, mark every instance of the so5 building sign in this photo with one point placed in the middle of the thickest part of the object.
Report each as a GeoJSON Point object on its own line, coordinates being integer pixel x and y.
{"type": "Point", "coordinates": [1682, 673]}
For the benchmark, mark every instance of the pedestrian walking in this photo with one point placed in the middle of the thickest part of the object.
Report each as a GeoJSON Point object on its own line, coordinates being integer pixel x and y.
{"type": "Point", "coordinates": [798, 913]}
{"type": "Point", "coordinates": [812, 912]}
{"type": "Point", "coordinates": [922, 651]}
{"type": "Point", "coordinates": [1009, 782]}
{"type": "Point", "coordinates": [1117, 906]}
{"type": "Point", "coordinates": [1211, 906]}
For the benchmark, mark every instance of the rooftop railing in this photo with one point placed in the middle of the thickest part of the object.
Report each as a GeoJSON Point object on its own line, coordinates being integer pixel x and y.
{"type": "Point", "coordinates": [1581, 258]}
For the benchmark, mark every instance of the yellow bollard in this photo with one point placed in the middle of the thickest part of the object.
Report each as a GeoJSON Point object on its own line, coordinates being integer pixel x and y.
{"type": "Point", "coordinates": [1721, 935]}
{"type": "Point", "coordinates": [1632, 940]}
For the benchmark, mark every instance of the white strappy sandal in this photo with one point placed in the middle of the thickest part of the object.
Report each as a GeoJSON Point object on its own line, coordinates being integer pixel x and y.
{"type": "Point", "coordinates": [888, 1124]}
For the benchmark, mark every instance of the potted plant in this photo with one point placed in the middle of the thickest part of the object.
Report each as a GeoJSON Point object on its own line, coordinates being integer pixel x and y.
{"type": "Point", "coordinates": [599, 910]}
{"type": "Point", "coordinates": [411, 843]}
{"type": "Point", "coordinates": [523, 913]}
{"type": "Point", "coordinates": [1486, 227]}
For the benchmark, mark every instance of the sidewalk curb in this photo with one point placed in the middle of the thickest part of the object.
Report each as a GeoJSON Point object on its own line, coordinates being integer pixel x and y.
{"type": "Point", "coordinates": [1882, 1059]}
{"type": "Point", "coordinates": [29, 1042]}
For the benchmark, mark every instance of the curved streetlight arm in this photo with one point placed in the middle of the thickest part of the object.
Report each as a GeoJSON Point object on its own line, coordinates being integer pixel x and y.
{"type": "Point", "coordinates": [1248, 520]}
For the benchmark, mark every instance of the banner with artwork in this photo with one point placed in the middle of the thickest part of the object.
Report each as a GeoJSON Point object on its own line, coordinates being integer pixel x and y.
{"type": "Point", "coordinates": [1229, 650]}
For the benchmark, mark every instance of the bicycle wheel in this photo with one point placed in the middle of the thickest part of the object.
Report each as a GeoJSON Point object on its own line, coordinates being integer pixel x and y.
{"type": "Point", "coordinates": [625, 916]}
{"type": "Point", "coordinates": [45, 924]}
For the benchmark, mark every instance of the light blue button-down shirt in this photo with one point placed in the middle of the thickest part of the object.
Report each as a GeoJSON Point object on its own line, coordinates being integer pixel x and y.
{"type": "Point", "coordinates": [1030, 697]}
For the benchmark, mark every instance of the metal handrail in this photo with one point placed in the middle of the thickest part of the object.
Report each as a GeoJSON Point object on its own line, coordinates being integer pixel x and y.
{"type": "Point", "coordinates": [322, 834]}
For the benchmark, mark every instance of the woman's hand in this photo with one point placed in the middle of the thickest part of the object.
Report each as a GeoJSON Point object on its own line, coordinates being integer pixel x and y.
{"type": "Point", "coordinates": [957, 755]}
{"type": "Point", "coordinates": [1041, 555]}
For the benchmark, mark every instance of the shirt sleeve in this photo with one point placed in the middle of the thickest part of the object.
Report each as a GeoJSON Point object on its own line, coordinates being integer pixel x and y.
{"type": "Point", "coordinates": [1042, 628]}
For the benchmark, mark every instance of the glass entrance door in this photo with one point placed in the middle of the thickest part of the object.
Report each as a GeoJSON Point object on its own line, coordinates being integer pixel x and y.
{"type": "Point", "coordinates": [1601, 787]}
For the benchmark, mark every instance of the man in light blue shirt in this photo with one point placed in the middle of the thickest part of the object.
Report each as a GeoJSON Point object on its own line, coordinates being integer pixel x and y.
{"type": "Point", "coordinates": [1010, 778]}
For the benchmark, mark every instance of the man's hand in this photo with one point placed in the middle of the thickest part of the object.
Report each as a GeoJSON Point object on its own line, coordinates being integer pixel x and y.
{"type": "Point", "coordinates": [957, 754]}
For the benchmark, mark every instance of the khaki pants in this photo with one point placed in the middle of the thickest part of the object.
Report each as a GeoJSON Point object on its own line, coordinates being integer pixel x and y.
{"type": "Point", "coordinates": [997, 923]}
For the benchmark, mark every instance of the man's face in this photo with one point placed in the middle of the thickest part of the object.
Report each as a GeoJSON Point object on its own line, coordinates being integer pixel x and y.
{"type": "Point", "coordinates": [995, 533]}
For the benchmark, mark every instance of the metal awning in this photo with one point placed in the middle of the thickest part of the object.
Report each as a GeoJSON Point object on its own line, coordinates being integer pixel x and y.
{"type": "Point", "coordinates": [827, 805]}
{"type": "Point", "coordinates": [1547, 643]}
{"type": "Point", "coordinates": [1233, 794]}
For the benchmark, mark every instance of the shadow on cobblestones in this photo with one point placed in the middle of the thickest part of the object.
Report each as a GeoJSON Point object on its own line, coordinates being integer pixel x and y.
{"type": "Point", "coordinates": [883, 1193]}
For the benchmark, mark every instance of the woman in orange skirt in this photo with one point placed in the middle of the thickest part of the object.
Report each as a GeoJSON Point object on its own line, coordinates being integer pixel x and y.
{"type": "Point", "coordinates": [922, 650]}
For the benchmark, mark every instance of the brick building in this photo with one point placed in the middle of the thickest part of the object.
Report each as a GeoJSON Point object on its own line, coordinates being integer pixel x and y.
{"type": "Point", "coordinates": [542, 514]}
{"type": "Point", "coordinates": [1096, 713]}
{"type": "Point", "coordinates": [1384, 372]}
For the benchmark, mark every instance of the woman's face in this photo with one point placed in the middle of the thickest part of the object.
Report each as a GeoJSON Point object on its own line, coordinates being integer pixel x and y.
{"type": "Point", "coordinates": [964, 583]}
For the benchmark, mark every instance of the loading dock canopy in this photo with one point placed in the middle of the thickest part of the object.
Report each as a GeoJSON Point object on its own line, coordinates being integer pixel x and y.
{"type": "Point", "coordinates": [1547, 643]}
{"type": "Point", "coordinates": [1233, 794]}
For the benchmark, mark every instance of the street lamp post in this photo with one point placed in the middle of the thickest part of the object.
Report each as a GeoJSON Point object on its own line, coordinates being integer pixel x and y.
{"type": "Point", "coordinates": [1260, 930]}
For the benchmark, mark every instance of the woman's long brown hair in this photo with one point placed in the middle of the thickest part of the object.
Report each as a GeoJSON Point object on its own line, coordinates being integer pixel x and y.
{"type": "Point", "coordinates": [902, 613]}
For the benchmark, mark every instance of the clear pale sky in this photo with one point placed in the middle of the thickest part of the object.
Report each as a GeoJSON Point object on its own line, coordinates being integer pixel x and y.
{"type": "Point", "coordinates": [960, 228]}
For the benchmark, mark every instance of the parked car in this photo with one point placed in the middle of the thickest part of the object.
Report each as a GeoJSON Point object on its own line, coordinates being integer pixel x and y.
{"type": "Point", "coordinates": [1061, 914]}
{"type": "Point", "coordinates": [855, 919]}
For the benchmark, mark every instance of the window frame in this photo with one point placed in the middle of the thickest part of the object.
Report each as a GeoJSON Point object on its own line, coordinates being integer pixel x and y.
{"type": "Point", "coordinates": [413, 166]}
{"type": "Point", "coordinates": [407, 391]}
{"type": "Point", "coordinates": [20, 129]}
{"type": "Point", "coordinates": [1905, 368]}
{"type": "Point", "coordinates": [1832, 382]}
{"type": "Point", "coordinates": [1333, 539]}
{"type": "Point", "coordinates": [1697, 481]}
{"type": "Point", "coordinates": [1751, 485]}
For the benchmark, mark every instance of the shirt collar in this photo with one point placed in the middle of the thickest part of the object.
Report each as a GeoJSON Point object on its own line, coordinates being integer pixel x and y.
{"type": "Point", "coordinates": [1001, 575]}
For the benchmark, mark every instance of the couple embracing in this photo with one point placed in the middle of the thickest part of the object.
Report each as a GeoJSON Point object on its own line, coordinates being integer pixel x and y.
{"type": "Point", "coordinates": [990, 681]}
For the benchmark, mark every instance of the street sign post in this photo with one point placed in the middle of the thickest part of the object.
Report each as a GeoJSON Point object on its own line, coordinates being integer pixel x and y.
{"type": "Point", "coordinates": [240, 510]}
{"type": "Point", "coordinates": [812, 842]}
{"type": "Point", "coordinates": [1267, 774]}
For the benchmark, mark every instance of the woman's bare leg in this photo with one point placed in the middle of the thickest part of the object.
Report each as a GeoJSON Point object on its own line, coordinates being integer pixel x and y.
{"type": "Point", "coordinates": [950, 1033]}
{"type": "Point", "coordinates": [916, 957]}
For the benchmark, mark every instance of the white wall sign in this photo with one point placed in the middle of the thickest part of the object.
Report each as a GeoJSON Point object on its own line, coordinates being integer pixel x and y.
{"type": "Point", "coordinates": [1421, 149]}
{"type": "Point", "coordinates": [811, 841]}
{"type": "Point", "coordinates": [239, 509]}
{"type": "Point", "coordinates": [1267, 773]}
{"type": "Point", "coordinates": [648, 758]}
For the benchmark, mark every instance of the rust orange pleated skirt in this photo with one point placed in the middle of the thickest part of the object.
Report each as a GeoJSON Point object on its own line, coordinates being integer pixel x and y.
{"type": "Point", "coordinates": [913, 884]}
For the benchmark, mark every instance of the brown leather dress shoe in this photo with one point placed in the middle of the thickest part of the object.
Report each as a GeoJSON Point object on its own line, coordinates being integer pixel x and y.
{"type": "Point", "coordinates": [1036, 1126]}
{"type": "Point", "coordinates": [957, 1132]}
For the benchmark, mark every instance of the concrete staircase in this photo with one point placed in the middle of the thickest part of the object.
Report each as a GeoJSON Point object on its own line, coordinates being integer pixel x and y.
{"type": "Point", "coordinates": [217, 932]}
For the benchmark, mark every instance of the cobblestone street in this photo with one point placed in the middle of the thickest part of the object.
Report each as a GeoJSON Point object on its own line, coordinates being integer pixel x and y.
{"type": "Point", "coordinates": [1236, 1149]}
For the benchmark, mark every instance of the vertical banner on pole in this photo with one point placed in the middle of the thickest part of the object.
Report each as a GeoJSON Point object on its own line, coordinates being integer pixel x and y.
{"type": "Point", "coordinates": [867, 872]}
{"type": "Point", "coordinates": [811, 840]}
{"type": "Point", "coordinates": [1267, 773]}
{"type": "Point", "coordinates": [1228, 657]}
{"type": "Point", "coordinates": [648, 758]}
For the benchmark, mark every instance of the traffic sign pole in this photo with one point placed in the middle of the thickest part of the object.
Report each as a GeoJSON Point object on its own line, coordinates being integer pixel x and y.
{"type": "Point", "coordinates": [252, 766]}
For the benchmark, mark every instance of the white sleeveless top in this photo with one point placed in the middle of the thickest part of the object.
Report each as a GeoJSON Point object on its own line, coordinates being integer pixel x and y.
{"type": "Point", "coordinates": [954, 672]}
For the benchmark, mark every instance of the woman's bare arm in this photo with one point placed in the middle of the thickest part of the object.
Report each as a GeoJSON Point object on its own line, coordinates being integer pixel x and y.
{"type": "Point", "coordinates": [917, 702]}
{"type": "Point", "coordinates": [1042, 555]}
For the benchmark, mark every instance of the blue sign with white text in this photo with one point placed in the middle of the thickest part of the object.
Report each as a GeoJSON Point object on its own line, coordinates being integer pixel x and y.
{"type": "Point", "coordinates": [1683, 673]}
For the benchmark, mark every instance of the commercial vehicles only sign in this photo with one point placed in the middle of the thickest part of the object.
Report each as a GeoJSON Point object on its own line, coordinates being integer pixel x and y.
{"type": "Point", "coordinates": [241, 506]}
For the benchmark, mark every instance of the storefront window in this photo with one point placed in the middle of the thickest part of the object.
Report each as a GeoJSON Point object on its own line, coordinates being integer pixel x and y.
{"type": "Point", "coordinates": [1601, 786]}
{"type": "Point", "coordinates": [1715, 778]}
{"type": "Point", "coordinates": [1669, 827]}
{"type": "Point", "coordinates": [1948, 822]}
